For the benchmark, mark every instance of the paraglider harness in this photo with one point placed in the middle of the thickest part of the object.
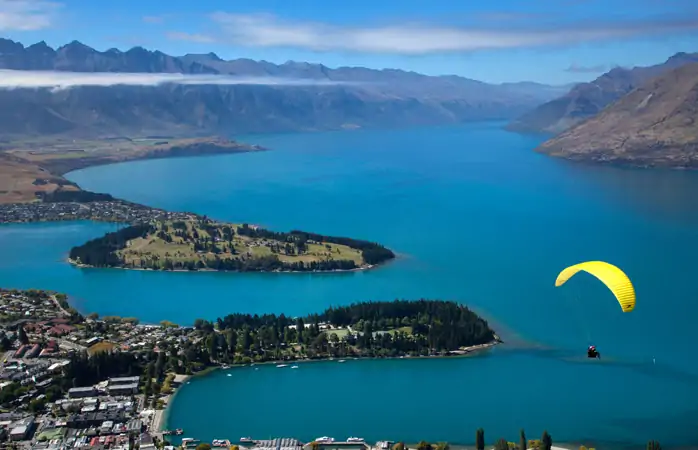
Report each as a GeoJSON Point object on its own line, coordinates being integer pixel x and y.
{"type": "Point", "coordinates": [592, 353]}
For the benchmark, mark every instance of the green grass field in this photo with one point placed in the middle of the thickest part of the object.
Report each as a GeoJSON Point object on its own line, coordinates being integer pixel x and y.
{"type": "Point", "coordinates": [153, 247]}
{"type": "Point", "coordinates": [340, 333]}
{"type": "Point", "coordinates": [51, 434]}
{"type": "Point", "coordinates": [99, 347]}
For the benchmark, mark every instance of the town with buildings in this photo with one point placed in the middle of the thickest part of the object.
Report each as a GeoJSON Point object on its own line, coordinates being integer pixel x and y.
{"type": "Point", "coordinates": [45, 406]}
{"type": "Point", "coordinates": [103, 211]}
{"type": "Point", "coordinates": [41, 336]}
{"type": "Point", "coordinates": [69, 381]}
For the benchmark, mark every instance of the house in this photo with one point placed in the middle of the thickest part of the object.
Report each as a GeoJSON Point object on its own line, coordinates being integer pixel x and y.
{"type": "Point", "coordinates": [106, 427]}
{"type": "Point", "coordinates": [21, 350]}
{"type": "Point", "coordinates": [60, 330]}
{"type": "Point", "coordinates": [81, 392]}
{"type": "Point", "coordinates": [22, 429]}
{"type": "Point", "coordinates": [123, 385]}
{"type": "Point", "coordinates": [92, 340]}
{"type": "Point", "coordinates": [33, 352]}
{"type": "Point", "coordinates": [123, 389]}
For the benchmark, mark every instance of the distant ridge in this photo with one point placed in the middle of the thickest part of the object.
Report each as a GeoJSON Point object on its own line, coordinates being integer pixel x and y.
{"type": "Point", "coordinates": [655, 125]}
{"type": "Point", "coordinates": [587, 99]}
{"type": "Point", "coordinates": [391, 98]}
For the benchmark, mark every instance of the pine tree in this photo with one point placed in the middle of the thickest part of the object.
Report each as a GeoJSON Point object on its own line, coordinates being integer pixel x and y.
{"type": "Point", "coordinates": [523, 443]}
{"type": "Point", "coordinates": [480, 439]}
{"type": "Point", "coordinates": [546, 442]}
{"type": "Point", "coordinates": [22, 335]}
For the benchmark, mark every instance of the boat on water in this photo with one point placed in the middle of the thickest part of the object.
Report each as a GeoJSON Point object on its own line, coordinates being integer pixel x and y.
{"type": "Point", "coordinates": [220, 443]}
{"type": "Point", "coordinates": [230, 374]}
{"type": "Point", "coordinates": [177, 432]}
{"type": "Point", "coordinates": [246, 440]}
{"type": "Point", "coordinates": [355, 439]}
{"type": "Point", "coordinates": [324, 440]}
{"type": "Point", "coordinates": [282, 365]}
{"type": "Point", "coordinates": [188, 441]}
{"type": "Point", "coordinates": [294, 367]}
{"type": "Point", "coordinates": [342, 360]}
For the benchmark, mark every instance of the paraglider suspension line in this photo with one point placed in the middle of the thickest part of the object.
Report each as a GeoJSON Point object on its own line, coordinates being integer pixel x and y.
{"type": "Point", "coordinates": [579, 314]}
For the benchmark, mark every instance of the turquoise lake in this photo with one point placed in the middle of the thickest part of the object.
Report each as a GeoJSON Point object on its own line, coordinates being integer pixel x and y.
{"type": "Point", "coordinates": [476, 217]}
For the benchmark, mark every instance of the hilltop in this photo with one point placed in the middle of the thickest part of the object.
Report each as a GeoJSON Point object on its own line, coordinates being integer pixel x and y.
{"type": "Point", "coordinates": [654, 125]}
{"type": "Point", "coordinates": [371, 98]}
{"type": "Point", "coordinates": [588, 99]}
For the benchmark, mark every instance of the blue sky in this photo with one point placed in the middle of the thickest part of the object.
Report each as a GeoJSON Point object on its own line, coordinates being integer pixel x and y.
{"type": "Point", "coordinates": [550, 41]}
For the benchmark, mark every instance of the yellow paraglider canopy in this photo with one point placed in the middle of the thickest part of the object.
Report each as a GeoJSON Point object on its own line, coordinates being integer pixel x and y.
{"type": "Point", "coordinates": [614, 278]}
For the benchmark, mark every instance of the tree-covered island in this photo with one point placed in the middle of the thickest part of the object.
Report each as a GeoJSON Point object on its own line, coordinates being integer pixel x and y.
{"type": "Point", "coordinates": [203, 244]}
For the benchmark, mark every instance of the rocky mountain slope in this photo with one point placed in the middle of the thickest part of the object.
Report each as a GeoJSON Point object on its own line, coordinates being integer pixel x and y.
{"type": "Point", "coordinates": [371, 97]}
{"type": "Point", "coordinates": [654, 125]}
{"type": "Point", "coordinates": [588, 99]}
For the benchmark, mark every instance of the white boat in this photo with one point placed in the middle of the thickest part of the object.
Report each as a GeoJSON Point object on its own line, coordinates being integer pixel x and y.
{"type": "Point", "coordinates": [246, 439]}
{"type": "Point", "coordinates": [282, 365]}
{"type": "Point", "coordinates": [294, 367]}
{"type": "Point", "coordinates": [355, 439]}
{"type": "Point", "coordinates": [230, 374]}
{"type": "Point", "coordinates": [342, 360]}
{"type": "Point", "coordinates": [324, 439]}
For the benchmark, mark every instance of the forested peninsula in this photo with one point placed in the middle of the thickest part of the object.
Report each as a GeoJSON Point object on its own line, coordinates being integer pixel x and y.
{"type": "Point", "coordinates": [399, 328]}
{"type": "Point", "coordinates": [367, 329]}
{"type": "Point", "coordinates": [202, 244]}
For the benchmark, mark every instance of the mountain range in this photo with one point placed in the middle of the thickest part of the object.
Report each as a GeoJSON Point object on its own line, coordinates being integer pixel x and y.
{"type": "Point", "coordinates": [359, 97]}
{"type": "Point", "coordinates": [655, 125]}
{"type": "Point", "coordinates": [585, 100]}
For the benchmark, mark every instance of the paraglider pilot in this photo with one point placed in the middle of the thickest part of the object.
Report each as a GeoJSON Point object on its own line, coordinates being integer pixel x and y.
{"type": "Point", "coordinates": [592, 353]}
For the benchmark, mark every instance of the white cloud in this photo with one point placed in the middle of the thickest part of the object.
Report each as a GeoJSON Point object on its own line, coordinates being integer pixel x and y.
{"type": "Point", "coordinates": [264, 30]}
{"type": "Point", "coordinates": [14, 79]}
{"type": "Point", "coordinates": [27, 15]}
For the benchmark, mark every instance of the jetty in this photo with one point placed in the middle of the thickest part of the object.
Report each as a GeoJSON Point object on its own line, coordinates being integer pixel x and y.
{"type": "Point", "coordinates": [321, 443]}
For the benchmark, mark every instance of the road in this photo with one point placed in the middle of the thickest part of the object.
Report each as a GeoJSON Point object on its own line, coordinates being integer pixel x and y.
{"type": "Point", "coordinates": [58, 305]}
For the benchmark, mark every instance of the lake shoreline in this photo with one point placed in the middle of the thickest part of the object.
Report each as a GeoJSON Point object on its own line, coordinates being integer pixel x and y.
{"type": "Point", "coordinates": [87, 266]}
{"type": "Point", "coordinates": [473, 350]}
{"type": "Point", "coordinates": [43, 166]}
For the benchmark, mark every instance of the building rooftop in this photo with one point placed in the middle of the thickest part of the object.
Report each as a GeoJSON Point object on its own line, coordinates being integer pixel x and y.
{"type": "Point", "coordinates": [278, 444]}
{"type": "Point", "coordinates": [81, 389]}
{"type": "Point", "coordinates": [123, 380]}
{"type": "Point", "coordinates": [123, 386]}
{"type": "Point", "coordinates": [22, 429]}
